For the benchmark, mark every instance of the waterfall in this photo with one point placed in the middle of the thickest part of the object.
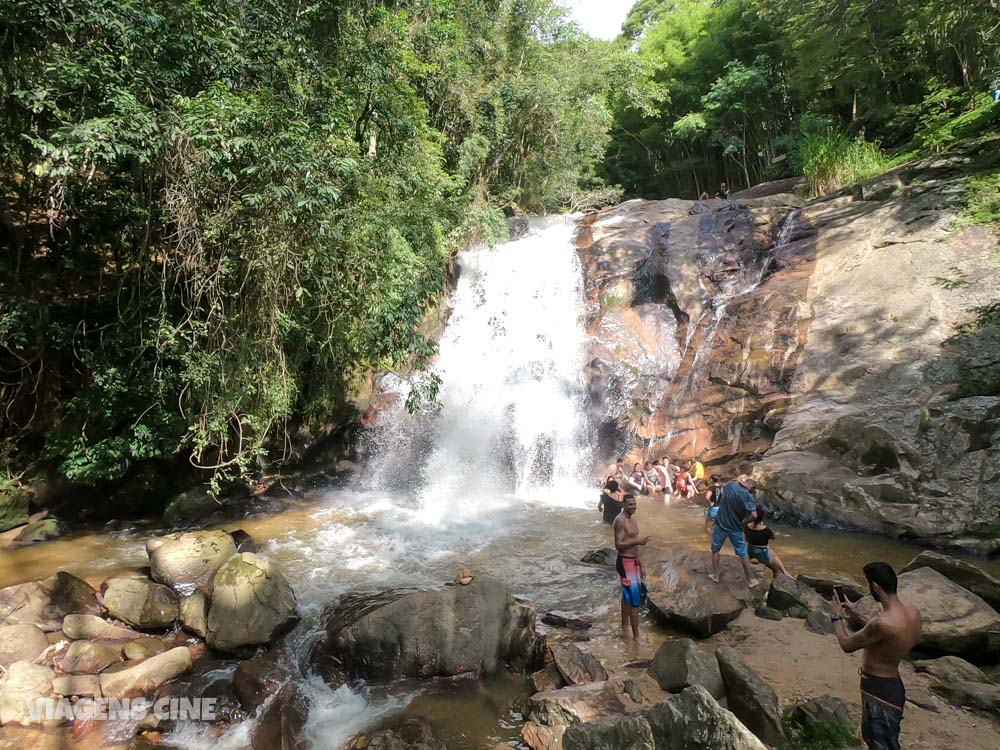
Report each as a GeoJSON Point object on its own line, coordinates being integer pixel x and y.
{"type": "Point", "coordinates": [510, 414]}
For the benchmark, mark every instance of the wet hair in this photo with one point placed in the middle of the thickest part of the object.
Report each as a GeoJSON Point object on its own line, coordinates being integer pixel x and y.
{"type": "Point", "coordinates": [715, 478]}
{"type": "Point", "coordinates": [627, 498]}
{"type": "Point", "coordinates": [609, 479]}
{"type": "Point", "coordinates": [882, 574]}
{"type": "Point", "coordinates": [620, 460]}
{"type": "Point", "coordinates": [761, 514]}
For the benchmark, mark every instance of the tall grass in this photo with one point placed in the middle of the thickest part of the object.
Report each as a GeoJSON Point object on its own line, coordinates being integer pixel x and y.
{"type": "Point", "coordinates": [831, 159]}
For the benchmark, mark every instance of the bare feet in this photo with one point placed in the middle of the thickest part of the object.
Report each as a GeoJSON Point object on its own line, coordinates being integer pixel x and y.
{"type": "Point", "coordinates": [713, 577]}
{"type": "Point", "coordinates": [752, 583]}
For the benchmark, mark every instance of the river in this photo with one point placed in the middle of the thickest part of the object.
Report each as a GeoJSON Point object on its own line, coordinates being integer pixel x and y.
{"type": "Point", "coordinates": [495, 476]}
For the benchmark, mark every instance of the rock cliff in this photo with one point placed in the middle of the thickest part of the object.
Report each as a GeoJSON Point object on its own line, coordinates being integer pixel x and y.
{"type": "Point", "coordinates": [835, 346]}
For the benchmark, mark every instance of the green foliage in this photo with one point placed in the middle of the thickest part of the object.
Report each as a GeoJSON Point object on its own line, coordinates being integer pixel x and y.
{"type": "Point", "coordinates": [833, 735]}
{"type": "Point", "coordinates": [222, 215]}
{"type": "Point", "coordinates": [736, 77]}
{"type": "Point", "coordinates": [982, 200]}
{"type": "Point", "coordinates": [830, 160]}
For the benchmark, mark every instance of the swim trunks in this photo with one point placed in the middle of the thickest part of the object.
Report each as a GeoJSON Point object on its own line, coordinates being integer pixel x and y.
{"type": "Point", "coordinates": [882, 702]}
{"type": "Point", "coordinates": [630, 573]}
{"type": "Point", "coordinates": [720, 535]}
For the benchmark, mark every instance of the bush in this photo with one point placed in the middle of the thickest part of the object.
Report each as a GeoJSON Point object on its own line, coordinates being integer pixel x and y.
{"type": "Point", "coordinates": [831, 735]}
{"type": "Point", "coordinates": [830, 159]}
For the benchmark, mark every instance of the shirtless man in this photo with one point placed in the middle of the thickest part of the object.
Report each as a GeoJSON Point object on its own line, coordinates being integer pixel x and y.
{"type": "Point", "coordinates": [886, 639]}
{"type": "Point", "coordinates": [628, 542]}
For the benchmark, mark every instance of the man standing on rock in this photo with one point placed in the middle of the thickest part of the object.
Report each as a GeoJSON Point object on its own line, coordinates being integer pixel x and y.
{"type": "Point", "coordinates": [628, 542]}
{"type": "Point", "coordinates": [886, 639]}
{"type": "Point", "coordinates": [736, 503]}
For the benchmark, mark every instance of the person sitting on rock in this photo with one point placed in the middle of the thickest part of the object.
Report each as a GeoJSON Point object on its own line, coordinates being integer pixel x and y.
{"type": "Point", "coordinates": [886, 639]}
{"type": "Point", "coordinates": [736, 502]}
{"type": "Point", "coordinates": [723, 193]}
{"type": "Point", "coordinates": [610, 503]}
{"type": "Point", "coordinates": [758, 537]}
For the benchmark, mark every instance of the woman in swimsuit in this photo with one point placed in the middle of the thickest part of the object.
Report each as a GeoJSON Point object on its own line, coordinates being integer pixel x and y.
{"type": "Point", "coordinates": [758, 535]}
{"type": "Point", "coordinates": [610, 503]}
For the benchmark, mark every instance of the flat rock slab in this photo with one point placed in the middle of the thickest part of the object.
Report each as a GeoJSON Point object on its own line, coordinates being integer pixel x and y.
{"type": "Point", "coordinates": [21, 643]}
{"type": "Point", "coordinates": [44, 603]}
{"type": "Point", "coordinates": [87, 657]}
{"type": "Point", "coordinates": [951, 669]}
{"type": "Point", "coordinates": [681, 594]}
{"type": "Point", "coordinates": [569, 620]}
{"type": "Point", "coordinates": [577, 667]}
{"type": "Point", "coordinates": [956, 621]}
{"type": "Point", "coordinates": [188, 560]}
{"type": "Point", "coordinates": [965, 574]}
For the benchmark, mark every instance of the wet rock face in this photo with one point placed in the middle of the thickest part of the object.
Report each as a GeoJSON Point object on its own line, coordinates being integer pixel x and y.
{"type": "Point", "coordinates": [45, 602]}
{"type": "Point", "coordinates": [687, 349]}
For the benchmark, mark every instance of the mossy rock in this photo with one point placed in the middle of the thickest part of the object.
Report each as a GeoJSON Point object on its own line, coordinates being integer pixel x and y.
{"type": "Point", "coordinates": [13, 509]}
{"type": "Point", "coordinates": [189, 506]}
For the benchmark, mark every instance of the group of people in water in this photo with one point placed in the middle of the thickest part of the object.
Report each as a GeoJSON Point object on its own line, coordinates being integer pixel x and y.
{"type": "Point", "coordinates": [733, 514]}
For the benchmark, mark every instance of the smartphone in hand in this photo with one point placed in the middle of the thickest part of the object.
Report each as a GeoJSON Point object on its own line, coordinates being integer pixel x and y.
{"type": "Point", "coordinates": [838, 592]}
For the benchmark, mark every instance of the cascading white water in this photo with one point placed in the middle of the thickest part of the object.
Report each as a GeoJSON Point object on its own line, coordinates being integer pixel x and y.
{"type": "Point", "coordinates": [510, 417]}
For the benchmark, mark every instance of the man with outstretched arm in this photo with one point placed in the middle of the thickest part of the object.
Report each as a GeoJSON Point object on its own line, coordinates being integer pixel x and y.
{"type": "Point", "coordinates": [886, 638]}
{"type": "Point", "coordinates": [628, 542]}
{"type": "Point", "coordinates": [736, 503]}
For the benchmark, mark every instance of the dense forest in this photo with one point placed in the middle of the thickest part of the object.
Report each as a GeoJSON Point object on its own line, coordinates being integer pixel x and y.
{"type": "Point", "coordinates": [219, 218]}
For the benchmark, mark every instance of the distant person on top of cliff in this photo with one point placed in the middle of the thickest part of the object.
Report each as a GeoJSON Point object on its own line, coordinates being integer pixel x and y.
{"type": "Point", "coordinates": [723, 193]}
{"type": "Point", "coordinates": [628, 542]}
{"type": "Point", "coordinates": [886, 639]}
{"type": "Point", "coordinates": [610, 503]}
{"type": "Point", "coordinates": [736, 502]}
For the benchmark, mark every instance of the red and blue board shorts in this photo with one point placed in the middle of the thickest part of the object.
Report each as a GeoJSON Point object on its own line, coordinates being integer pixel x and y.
{"type": "Point", "coordinates": [630, 573]}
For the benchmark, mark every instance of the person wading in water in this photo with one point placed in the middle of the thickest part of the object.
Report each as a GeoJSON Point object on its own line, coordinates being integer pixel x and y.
{"type": "Point", "coordinates": [886, 639]}
{"type": "Point", "coordinates": [628, 542]}
{"type": "Point", "coordinates": [736, 502]}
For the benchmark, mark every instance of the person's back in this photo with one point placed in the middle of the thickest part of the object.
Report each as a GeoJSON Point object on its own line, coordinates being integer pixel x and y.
{"type": "Point", "coordinates": [734, 504]}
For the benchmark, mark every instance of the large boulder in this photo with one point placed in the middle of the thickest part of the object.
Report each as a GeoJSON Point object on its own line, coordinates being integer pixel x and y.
{"type": "Point", "coordinates": [985, 697]}
{"type": "Point", "coordinates": [145, 677]}
{"type": "Point", "coordinates": [681, 663]}
{"type": "Point", "coordinates": [681, 594]}
{"type": "Point", "coordinates": [951, 669]}
{"type": "Point", "coordinates": [281, 725]}
{"type": "Point", "coordinates": [694, 720]}
{"type": "Point", "coordinates": [140, 603]}
{"type": "Point", "coordinates": [252, 604]}
{"type": "Point", "coordinates": [795, 597]}
{"type": "Point", "coordinates": [39, 531]}
{"type": "Point", "coordinates": [44, 603]}
{"type": "Point", "coordinates": [576, 667]}
{"type": "Point", "coordinates": [188, 560]}
{"type": "Point", "coordinates": [24, 683]}
{"type": "Point", "coordinates": [965, 574]}
{"type": "Point", "coordinates": [194, 505]}
{"type": "Point", "coordinates": [21, 643]}
{"type": "Point", "coordinates": [612, 733]}
{"type": "Point", "coordinates": [956, 621]}
{"type": "Point", "coordinates": [426, 632]}
{"type": "Point", "coordinates": [751, 699]}
{"type": "Point", "coordinates": [13, 509]}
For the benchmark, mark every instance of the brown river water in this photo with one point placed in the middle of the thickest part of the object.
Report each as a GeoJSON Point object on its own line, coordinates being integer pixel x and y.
{"type": "Point", "coordinates": [345, 540]}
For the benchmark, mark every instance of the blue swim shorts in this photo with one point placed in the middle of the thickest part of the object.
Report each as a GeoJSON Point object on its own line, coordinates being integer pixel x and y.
{"type": "Point", "coordinates": [719, 536]}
